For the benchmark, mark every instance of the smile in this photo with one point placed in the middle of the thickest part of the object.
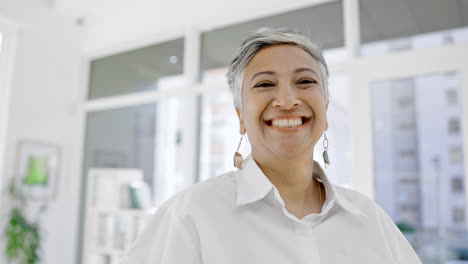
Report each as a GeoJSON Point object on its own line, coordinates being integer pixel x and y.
{"type": "Point", "coordinates": [294, 122]}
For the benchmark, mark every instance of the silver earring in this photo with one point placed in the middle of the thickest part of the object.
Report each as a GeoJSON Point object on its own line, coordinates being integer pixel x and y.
{"type": "Point", "coordinates": [238, 159]}
{"type": "Point", "coordinates": [326, 159]}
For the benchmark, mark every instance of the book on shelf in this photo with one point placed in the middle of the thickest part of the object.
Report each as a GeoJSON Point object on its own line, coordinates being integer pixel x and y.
{"type": "Point", "coordinates": [139, 195]}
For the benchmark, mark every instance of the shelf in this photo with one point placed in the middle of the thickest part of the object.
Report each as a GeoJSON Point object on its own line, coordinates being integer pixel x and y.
{"type": "Point", "coordinates": [110, 229]}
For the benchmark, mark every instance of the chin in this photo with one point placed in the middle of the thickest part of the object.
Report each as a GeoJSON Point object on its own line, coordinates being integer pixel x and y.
{"type": "Point", "coordinates": [289, 152]}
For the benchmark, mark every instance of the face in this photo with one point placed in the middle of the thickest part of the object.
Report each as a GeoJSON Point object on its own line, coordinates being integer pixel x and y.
{"type": "Point", "coordinates": [283, 103]}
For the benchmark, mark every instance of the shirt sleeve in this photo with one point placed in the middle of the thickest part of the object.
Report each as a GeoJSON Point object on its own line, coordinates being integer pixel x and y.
{"type": "Point", "coordinates": [168, 238]}
{"type": "Point", "coordinates": [402, 250]}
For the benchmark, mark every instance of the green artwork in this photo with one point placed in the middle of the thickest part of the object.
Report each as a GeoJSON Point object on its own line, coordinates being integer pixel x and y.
{"type": "Point", "coordinates": [37, 171]}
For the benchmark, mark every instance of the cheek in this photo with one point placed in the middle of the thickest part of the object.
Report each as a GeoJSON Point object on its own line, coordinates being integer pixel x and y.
{"type": "Point", "coordinates": [255, 104]}
{"type": "Point", "coordinates": [317, 103]}
{"type": "Point", "coordinates": [251, 116]}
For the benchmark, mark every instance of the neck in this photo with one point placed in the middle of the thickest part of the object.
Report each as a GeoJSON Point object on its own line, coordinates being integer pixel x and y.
{"type": "Point", "coordinates": [292, 177]}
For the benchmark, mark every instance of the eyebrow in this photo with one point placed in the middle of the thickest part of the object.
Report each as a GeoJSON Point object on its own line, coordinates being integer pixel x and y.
{"type": "Point", "coordinates": [295, 71]}
{"type": "Point", "coordinates": [262, 72]}
{"type": "Point", "coordinates": [306, 69]}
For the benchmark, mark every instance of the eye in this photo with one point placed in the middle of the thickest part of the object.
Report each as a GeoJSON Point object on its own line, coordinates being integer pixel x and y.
{"type": "Point", "coordinates": [264, 85]}
{"type": "Point", "coordinates": [306, 81]}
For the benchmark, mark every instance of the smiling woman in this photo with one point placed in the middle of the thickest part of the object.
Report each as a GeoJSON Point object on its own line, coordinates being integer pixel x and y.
{"type": "Point", "coordinates": [279, 207]}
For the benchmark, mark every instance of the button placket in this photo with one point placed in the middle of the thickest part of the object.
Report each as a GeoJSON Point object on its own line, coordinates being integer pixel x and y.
{"type": "Point", "coordinates": [307, 245]}
{"type": "Point", "coordinates": [301, 230]}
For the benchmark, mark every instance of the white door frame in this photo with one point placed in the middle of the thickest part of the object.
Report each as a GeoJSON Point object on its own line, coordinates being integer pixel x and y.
{"type": "Point", "coordinates": [7, 53]}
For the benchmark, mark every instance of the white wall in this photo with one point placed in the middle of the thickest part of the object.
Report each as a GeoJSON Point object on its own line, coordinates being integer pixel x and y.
{"type": "Point", "coordinates": [44, 107]}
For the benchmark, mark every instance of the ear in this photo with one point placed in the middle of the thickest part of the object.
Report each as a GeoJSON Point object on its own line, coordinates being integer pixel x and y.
{"type": "Point", "coordinates": [241, 121]}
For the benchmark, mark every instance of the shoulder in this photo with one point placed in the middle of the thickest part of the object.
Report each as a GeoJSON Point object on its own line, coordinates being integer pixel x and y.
{"type": "Point", "coordinates": [362, 202]}
{"type": "Point", "coordinates": [375, 213]}
{"type": "Point", "coordinates": [204, 194]}
{"type": "Point", "coordinates": [380, 221]}
{"type": "Point", "coordinates": [353, 196]}
{"type": "Point", "coordinates": [175, 224]}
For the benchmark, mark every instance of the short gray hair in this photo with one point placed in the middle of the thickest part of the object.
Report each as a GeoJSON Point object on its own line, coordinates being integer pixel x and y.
{"type": "Point", "coordinates": [263, 38]}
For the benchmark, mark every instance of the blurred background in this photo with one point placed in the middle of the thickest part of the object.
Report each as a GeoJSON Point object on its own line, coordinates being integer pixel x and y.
{"type": "Point", "coordinates": [108, 108]}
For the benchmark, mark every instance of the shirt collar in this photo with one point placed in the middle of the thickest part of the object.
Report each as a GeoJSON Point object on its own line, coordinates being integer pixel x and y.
{"type": "Point", "coordinates": [253, 185]}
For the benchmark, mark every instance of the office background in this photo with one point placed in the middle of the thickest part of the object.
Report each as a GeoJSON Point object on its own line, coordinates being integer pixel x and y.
{"type": "Point", "coordinates": [119, 84]}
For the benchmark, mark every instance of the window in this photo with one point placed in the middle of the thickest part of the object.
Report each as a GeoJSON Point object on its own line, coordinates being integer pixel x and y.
{"type": "Point", "coordinates": [405, 153]}
{"type": "Point", "coordinates": [409, 180]}
{"type": "Point", "coordinates": [411, 25]}
{"type": "Point", "coordinates": [456, 155]}
{"type": "Point", "coordinates": [409, 207]}
{"type": "Point", "coordinates": [410, 125]}
{"type": "Point", "coordinates": [220, 44]}
{"type": "Point", "coordinates": [405, 102]}
{"type": "Point", "coordinates": [452, 96]}
{"type": "Point", "coordinates": [219, 134]}
{"type": "Point", "coordinates": [458, 215]}
{"type": "Point", "coordinates": [454, 126]}
{"type": "Point", "coordinates": [457, 185]}
{"type": "Point", "coordinates": [146, 69]}
{"type": "Point", "coordinates": [121, 138]}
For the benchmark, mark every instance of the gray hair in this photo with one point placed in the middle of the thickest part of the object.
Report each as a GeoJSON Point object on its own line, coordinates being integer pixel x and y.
{"type": "Point", "coordinates": [266, 37]}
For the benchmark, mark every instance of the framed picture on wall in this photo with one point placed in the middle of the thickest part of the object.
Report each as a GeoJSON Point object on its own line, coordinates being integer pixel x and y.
{"type": "Point", "coordinates": [37, 170]}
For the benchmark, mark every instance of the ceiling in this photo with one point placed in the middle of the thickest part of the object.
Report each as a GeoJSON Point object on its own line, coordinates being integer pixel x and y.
{"type": "Point", "coordinates": [379, 19]}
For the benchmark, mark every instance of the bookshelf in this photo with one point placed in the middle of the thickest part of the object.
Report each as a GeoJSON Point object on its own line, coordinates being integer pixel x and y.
{"type": "Point", "coordinates": [118, 206]}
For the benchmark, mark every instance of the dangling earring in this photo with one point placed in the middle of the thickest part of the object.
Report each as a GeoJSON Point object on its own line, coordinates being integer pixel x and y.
{"type": "Point", "coordinates": [326, 160]}
{"type": "Point", "coordinates": [238, 159]}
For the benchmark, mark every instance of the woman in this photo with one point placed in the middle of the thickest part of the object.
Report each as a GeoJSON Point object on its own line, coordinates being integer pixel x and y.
{"type": "Point", "coordinates": [277, 208]}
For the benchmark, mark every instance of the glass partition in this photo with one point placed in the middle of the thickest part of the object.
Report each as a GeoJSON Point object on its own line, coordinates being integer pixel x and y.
{"type": "Point", "coordinates": [219, 134]}
{"type": "Point", "coordinates": [391, 26]}
{"type": "Point", "coordinates": [419, 170]}
{"type": "Point", "coordinates": [338, 133]}
{"type": "Point", "coordinates": [169, 177]}
{"type": "Point", "coordinates": [322, 23]}
{"type": "Point", "coordinates": [121, 138]}
{"type": "Point", "coordinates": [144, 69]}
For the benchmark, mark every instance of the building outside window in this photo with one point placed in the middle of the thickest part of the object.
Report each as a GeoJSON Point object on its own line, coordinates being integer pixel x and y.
{"type": "Point", "coordinates": [414, 164]}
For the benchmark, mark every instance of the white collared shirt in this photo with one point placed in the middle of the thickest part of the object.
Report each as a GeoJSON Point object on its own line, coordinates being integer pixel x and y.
{"type": "Point", "coordinates": [240, 218]}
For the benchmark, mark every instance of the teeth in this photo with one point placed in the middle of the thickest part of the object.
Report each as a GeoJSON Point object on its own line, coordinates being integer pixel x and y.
{"type": "Point", "coordinates": [287, 122]}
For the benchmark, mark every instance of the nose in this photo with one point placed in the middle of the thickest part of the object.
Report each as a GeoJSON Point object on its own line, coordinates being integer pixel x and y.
{"type": "Point", "coordinates": [286, 98]}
